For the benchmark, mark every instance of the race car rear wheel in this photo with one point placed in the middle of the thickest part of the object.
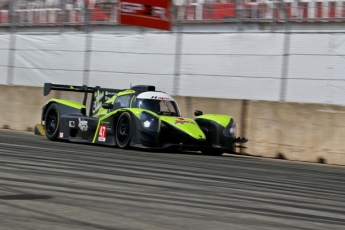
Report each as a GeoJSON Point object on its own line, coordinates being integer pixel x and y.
{"type": "Point", "coordinates": [52, 121]}
{"type": "Point", "coordinates": [123, 130]}
{"type": "Point", "coordinates": [212, 152]}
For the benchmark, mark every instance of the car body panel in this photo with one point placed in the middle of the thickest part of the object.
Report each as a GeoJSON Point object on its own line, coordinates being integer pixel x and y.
{"type": "Point", "coordinates": [105, 120]}
{"type": "Point", "coordinates": [222, 120]}
{"type": "Point", "coordinates": [186, 125]}
{"type": "Point", "coordinates": [69, 103]}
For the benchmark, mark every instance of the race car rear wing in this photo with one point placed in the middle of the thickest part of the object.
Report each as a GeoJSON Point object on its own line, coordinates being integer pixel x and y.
{"type": "Point", "coordinates": [49, 86]}
{"type": "Point", "coordinates": [96, 91]}
{"type": "Point", "coordinates": [99, 95]}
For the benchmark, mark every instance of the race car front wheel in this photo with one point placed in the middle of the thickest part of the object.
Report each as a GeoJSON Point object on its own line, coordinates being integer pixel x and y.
{"type": "Point", "coordinates": [123, 130]}
{"type": "Point", "coordinates": [52, 121]}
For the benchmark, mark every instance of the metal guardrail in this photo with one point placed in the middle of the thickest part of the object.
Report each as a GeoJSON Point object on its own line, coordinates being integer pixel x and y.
{"type": "Point", "coordinates": [194, 11]}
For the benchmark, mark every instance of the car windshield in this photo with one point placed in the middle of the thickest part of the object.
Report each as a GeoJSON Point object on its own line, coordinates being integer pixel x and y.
{"type": "Point", "coordinates": [161, 107]}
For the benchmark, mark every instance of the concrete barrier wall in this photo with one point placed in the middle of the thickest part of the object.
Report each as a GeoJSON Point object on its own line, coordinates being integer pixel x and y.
{"type": "Point", "coordinates": [294, 131]}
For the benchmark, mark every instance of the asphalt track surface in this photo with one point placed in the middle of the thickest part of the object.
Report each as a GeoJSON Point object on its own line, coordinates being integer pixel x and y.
{"type": "Point", "coordinates": [55, 185]}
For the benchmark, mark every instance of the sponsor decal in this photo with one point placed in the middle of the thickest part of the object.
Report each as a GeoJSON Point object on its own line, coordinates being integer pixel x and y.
{"type": "Point", "coordinates": [61, 135]}
{"type": "Point", "coordinates": [147, 13]}
{"type": "Point", "coordinates": [105, 122]}
{"type": "Point", "coordinates": [160, 98]}
{"type": "Point", "coordinates": [108, 95]}
{"type": "Point", "coordinates": [102, 134]}
{"type": "Point", "coordinates": [83, 125]}
{"type": "Point", "coordinates": [71, 124]}
{"type": "Point", "coordinates": [98, 100]}
{"type": "Point", "coordinates": [182, 121]}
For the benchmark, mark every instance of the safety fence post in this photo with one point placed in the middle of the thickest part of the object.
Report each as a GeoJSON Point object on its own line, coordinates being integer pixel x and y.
{"type": "Point", "coordinates": [88, 46]}
{"type": "Point", "coordinates": [12, 48]}
{"type": "Point", "coordinates": [286, 55]}
{"type": "Point", "coordinates": [178, 52]}
{"type": "Point", "coordinates": [239, 14]}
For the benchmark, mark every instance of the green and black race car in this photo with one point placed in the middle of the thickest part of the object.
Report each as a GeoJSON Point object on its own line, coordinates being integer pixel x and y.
{"type": "Point", "coordinates": [135, 117]}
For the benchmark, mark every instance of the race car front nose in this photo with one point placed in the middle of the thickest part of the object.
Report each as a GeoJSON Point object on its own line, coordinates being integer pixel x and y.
{"type": "Point", "coordinates": [194, 131]}
{"type": "Point", "coordinates": [230, 129]}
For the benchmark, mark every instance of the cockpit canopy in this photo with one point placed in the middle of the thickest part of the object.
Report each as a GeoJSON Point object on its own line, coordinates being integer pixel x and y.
{"type": "Point", "coordinates": [158, 102]}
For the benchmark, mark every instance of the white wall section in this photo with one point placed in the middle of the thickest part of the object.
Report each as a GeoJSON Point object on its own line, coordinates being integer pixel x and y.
{"type": "Point", "coordinates": [49, 58]}
{"type": "Point", "coordinates": [219, 65]}
{"type": "Point", "coordinates": [316, 68]}
{"type": "Point", "coordinates": [118, 60]}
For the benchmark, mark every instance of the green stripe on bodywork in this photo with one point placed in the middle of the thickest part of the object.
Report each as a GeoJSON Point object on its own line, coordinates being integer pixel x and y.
{"type": "Point", "coordinates": [103, 118]}
{"type": "Point", "coordinates": [101, 111]}
{"type": "Point", "coordinates": [129, 91]}
{"type": "Point", "coordinates": [138, 111]}
{"type": "Point", "coordinates": [135, 111]}
{"type": "Point", "coordinates": [69, 103]}
{"type": "Point", "coordinates": [223, 120]}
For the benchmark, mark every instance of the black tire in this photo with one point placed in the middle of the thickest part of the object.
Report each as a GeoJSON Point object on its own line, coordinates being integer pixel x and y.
{"type": "Point", "coordinates": [212, 152]}
{"type": "Point", "coordinates": [52, 122]}
{"type": "Point", "coordinates": [123, 130]}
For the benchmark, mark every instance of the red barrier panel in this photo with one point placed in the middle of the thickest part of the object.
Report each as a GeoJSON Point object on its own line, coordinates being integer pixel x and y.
{"type": "Point", "coordinates": [289, 10]}
{"type": "Point", "coordinates": [207, 12]}
{"type": "Point", "coordinates": [224, 10]}
{"type": "Point", "coordinates": [145, 13]}
{"type": "Point", "coordinates": [303, 9]}
{"type": "Point", "coordinates": [331, 10]}
{"type": "Point", "coordinates": [97, 14]}
{"type": "Point", "coordinates": [4, 16]}
{"type": "Point", "coordinates": [190, 12]}
{"type": "Point", "coordinates": [318, 10]}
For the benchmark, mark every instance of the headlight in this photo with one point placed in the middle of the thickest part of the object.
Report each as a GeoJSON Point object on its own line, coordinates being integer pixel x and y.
{"type": "Point", "coordinates": [230, 129]}
{"type": "Point", "coordinates": [149, 121]}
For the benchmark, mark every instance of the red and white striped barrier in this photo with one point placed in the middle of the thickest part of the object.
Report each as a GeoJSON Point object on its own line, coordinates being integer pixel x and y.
{"type": "Point", "coordinates": [37, 16]}
{"type": "Point", "coordinates": [48, 16]}
{"type": "Point", "coordinates": [4, 16]}
{"type": "Point", "coordinates": [74, 15]}
{"type": "Point", "coordinates": [326, 10]}
{"type": "Point", "coordinates": [264, 9]}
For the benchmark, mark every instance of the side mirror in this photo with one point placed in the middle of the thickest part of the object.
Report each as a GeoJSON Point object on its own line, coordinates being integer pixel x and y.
{"type": "Point", "coordinates": [198, 113]}
{"type": "Point", "coordinates": [117, 105]}
{"type": "Point", "coordinates": [107, 106]}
